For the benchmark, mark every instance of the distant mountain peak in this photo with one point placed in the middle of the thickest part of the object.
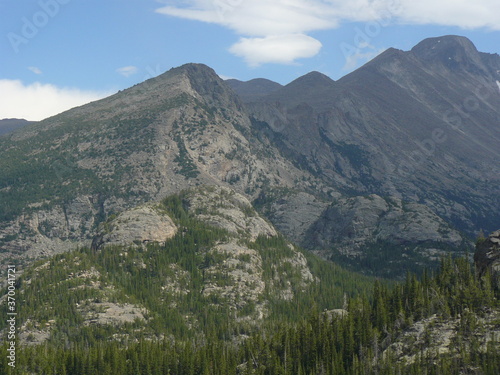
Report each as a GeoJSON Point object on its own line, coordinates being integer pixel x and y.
{"type": "Point", "coordinates": [194, 69]}
{"type": "Point", "coordinates": [199, 79]}
{"type": "Point", "coordinates": [8, 125]}
{"type": "Point", "coordinates": [312, 79]}
{"type": "Point", "coordinates": [453, 51]}
{"type": "Point", "coordinates": [432, 46]}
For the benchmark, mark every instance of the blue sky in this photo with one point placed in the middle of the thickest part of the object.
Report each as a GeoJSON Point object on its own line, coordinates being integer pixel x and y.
{"type": "Point", "coordinates": [57, 54]}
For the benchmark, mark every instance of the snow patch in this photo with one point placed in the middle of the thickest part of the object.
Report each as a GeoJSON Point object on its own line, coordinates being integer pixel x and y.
{"type": "Point", "coordinates": [498, 84]}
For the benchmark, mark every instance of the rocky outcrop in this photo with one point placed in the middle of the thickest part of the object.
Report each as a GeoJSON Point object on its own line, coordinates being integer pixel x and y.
{"type": "Point", "coordinates": [435, 337]}
{"type": "Point", "coordinates": [138, 226]}
{"type": "Point", "coordinates": [350, 223]}
{"type": "Point", "coordinates": [245, 268]}
{"type": "Point", "coordinates": [224, 208]}
{"type": "Point", "coordinates": [291, 212]}
{"type": "Point", "coordinates": [487, 255]}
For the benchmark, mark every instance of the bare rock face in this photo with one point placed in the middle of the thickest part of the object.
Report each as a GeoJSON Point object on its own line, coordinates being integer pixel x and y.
{"type": "Point", "coordinates": [224, 208]}
{"type": "Point", "coordinates": [434, 336]}
{"type": "Point", "coordinates": [487, 256]}
{"type": "Point", "coordinates": [136, 227]}
{"type": "Point", "coordinates": [352, 222]}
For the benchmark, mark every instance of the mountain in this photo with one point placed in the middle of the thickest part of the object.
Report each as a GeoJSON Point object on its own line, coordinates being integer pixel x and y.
{"type": "Point", "coordinates": [63, 176]}
{"type": "Point", "coordinates": [420, 126]}
{"type": "Point", "coordinates": [159, 230]}
{"type": "Point", "coordinates": [10, 124]}
{"type": "Point", "coordinates": [195, 264]}
{"type": "Point", "coordinates": [397, 159]}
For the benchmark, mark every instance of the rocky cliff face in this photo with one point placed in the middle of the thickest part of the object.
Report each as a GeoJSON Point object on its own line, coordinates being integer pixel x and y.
{"type": "Point", "coordinates": [237, 275]}
{"type": "Point", "coordinates": [358, 227]}
{"type": "Point", "coordinates": [138, 226]}
{"type": "Point", "coordinates": [436, 337]}
{"type": "Point", "coordinates": [390, 233]}
{"type": "Point", "coordinates": [487, 256]}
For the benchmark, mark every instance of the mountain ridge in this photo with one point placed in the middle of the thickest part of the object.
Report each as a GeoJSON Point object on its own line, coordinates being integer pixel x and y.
{"type": "Point", "coordinates": [393, 128]}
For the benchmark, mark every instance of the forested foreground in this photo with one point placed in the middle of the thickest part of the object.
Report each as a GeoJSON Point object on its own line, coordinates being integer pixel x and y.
{"type": "Point", "coordinates": [353, 342]}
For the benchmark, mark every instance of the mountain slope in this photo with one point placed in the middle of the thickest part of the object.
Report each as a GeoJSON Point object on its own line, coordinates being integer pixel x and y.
{"type": "Point", "coordinates": [63, 176]}
{"type": "Point", "coordinates": [420, 125]}
{"type": "Point", "coordinates": [408, 127]}
{"type": "Point", "coordinates": [11, 124]}
{"type": "Point", "coordinates": [195, 264]}
{"type": "Point", "coordinates": [251, 90]}
{"type": "Point", "coordinates": [446, 322]}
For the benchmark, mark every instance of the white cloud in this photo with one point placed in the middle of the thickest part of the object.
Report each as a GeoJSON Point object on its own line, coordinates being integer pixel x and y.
{"type": "Point", "coordinates": [463, 13]}
{"type": "Point", "coordinates": [273, 31]}
{"type": "Point", "coordinates": [258, 17]}
{"type": "Point", "coordinates": [261, 23]}
{"type": "Point", "coordinates": [282, 49]}
{"type": "Point", "coordinates": [38, 101]}
{"type": "Point", "coordinates": [35, 70]}
{"type": "Point", "coordinates": [127, 71]}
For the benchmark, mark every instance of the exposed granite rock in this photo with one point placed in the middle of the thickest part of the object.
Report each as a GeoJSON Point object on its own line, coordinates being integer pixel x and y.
{"type": "Point", "coordinates": [293, 213]}
{"type": "Point", "coordinates": [108, 313]}
{"type": "Point", "coordinates": [136, 227]}
{"type": "Point", "coordinates": [350, 223]}
{"type": "Point", "coordinates": [224, 208]}
{"type": "Point", "coordinates": [487, 255]}
{"type": "Point", "coordinates": [434, 337]}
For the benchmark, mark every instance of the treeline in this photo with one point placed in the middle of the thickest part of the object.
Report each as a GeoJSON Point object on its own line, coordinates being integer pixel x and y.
{"type": "Point", "coordinates": [58, 295]}
{"type": "Point", "coordinates": [309, 334]}
{"type": "Point", "coordinates": [353, 341]}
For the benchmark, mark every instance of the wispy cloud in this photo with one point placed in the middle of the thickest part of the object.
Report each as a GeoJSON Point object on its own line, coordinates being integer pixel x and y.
{"type": "Point", "coordinates": [38, 101]}
{"type": "Point", "coordinates": [127, 71]}
{"type": "Point", "coordinates": [263, 23]}
{"type": "Point", "coordinates": [282, 49]}
{"type": "Point", "coordinates": [35, 70]}
{"type": "Point", "coordinates": [462, 13]}
{"type": "Point", "coordinates": [272, 31]}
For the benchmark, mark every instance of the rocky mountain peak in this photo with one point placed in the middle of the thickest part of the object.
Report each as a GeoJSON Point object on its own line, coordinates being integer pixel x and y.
{"type": "Point", "coordinates": [313, 87]}
{"type": "Point", "coordinates": [205, 83]}
{"type": "Point", "coordinates": [452, 51]}
{"type": "Point", "coordinates": [312, 79]}
{"type": "Point", "coordinates": [196, 73]}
